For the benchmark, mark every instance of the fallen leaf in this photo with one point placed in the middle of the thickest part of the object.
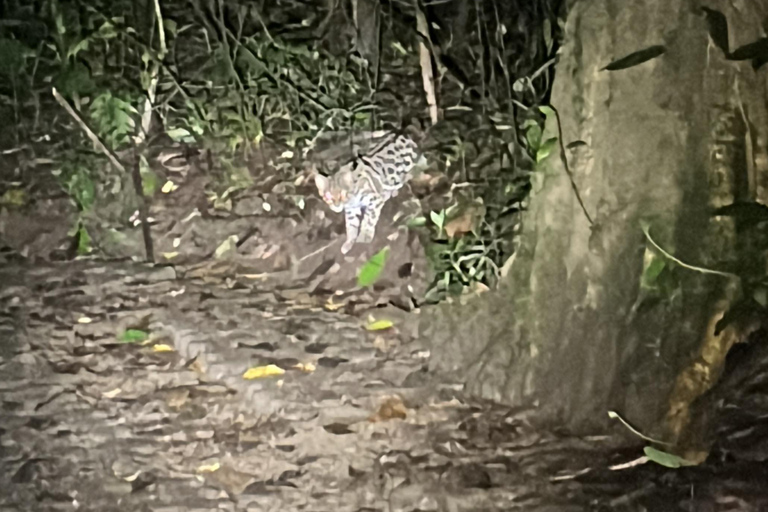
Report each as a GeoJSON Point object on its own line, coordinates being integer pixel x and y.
{"type": "Point", "coordinates": [169, 187]}
{"type": "Point", "coordinates": [84, 320]}
{"type": "Point", "coordinates": [333, 306]}
{"type": "Point", "coordinates": [305, 367]}
{"type": "Point", "coordinates": [14, 197]}
{"type": "Point", "coordinates": [226, 246]}
{"type": "Point", "coordinates": [665, 459]}
{"type": "Point", "coordinates": [379, 325]}
{"type": "Point", "coordinates": [112, 394]}
{"type": "Point", "coordinates": [260, 372]}
{"type": "Point", "coordinates": [170, 255]}
{"type": "Point", "coordinates": [391, 408]}
{"type": "Point", "coordinates": [369, 272]}
{"type": "Point", "coordinates": [209, 468]}
{"type": "Point", "coordinates": [133, 336]}
{"type": "Point", "coordinates": [162, 347]}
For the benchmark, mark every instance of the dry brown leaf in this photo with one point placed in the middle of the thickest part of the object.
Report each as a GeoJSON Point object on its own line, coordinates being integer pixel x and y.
{"type": "Point", "coordinates": [391, 408]}
{"type": "Point", "coordinates": [464, 223]}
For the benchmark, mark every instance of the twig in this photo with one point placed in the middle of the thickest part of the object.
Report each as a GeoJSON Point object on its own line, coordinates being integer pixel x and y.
{"type": "Point", "coordinates": [748, 148]}
{"type": "Point", "coordinates": [615, 415]}
{"type": "Point", "coordinates": [564, 158]}
{"type": "Point", "coordinates": [425, 59]}
{"type": "Point", "coordinates": [146, 114]}
{"type": "Point", "coordinates": [89, 132]}
{"type": "Point", "coordinates": [261, 22]}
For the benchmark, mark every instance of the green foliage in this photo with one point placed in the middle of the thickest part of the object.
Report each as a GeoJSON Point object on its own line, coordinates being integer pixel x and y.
{"type": "Point", "coordinates": [370, 272]}
{"type": "Point", "coordinates": [13, 56]}
{"type": "Point", "coordinates": [113, 118]}
{"type": "Point", "coordinates": [133, 336]}
{"type": "Point", "coordinates": [665, 459]}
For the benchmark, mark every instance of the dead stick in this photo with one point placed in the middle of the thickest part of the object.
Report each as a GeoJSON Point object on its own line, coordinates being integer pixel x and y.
{"type": "Point", "coordinates": [148, 246]}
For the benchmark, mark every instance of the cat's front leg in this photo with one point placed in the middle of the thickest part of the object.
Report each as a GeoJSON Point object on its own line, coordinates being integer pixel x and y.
{"type": "Point", "coordinates": [370, 220]}
{"type": "Point", "coordinates": [352, 219]}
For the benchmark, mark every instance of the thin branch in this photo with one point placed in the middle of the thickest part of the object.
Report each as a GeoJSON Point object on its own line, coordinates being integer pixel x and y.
{"type": "Point", "coordinates": [88, 131]}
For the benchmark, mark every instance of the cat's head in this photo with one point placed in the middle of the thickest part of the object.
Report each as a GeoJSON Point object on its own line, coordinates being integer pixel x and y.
{"type": "Point", "coordinates": [332, 193]}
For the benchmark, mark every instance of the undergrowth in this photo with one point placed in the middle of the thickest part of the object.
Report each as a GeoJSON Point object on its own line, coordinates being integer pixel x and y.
{"type": "Point", "coordinates": [234, 78]}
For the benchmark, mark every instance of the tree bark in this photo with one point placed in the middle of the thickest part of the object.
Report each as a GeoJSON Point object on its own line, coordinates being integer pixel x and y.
{"type": "Point", "coordinates": [664, 141]}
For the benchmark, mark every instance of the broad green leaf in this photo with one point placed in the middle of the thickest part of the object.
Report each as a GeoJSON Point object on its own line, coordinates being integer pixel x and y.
{"type": "Point", "coordinates": [546, 149]}
{"type": "Point", "coordinates": [133, 336]}
{"type": "Point", "coordinates": [664, 458]}
{"type": "Point", "coordinates": [379, 325]}
{"type": "Point", "coordinates": [546, 110]}
{"type": "Point", "coordinates": [533, 137]}
{"type": "Point", "coordinates": [438, 218]}
{"type": "Point", "coordinates": [180, 135]}
{"type": "Point", "coordinates": [370, 272]}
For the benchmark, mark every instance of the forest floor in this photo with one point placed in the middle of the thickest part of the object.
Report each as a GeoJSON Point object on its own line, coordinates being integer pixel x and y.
{"type": "Point", "coordinates": [98, 418]}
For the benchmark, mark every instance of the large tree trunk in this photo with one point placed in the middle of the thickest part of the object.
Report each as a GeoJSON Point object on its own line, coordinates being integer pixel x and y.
{"type": "Point", "coordinates": [665, 141]}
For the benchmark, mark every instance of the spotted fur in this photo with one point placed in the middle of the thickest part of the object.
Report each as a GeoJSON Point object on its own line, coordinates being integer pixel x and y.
{"type": "Point", "coordinates": [361, 187]}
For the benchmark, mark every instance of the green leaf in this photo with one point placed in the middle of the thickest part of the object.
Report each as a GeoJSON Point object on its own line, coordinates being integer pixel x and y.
{"type": "Point", "coordinates": [546, 110]}
{"type": "Point", "coordinates": [14, 197]}
{"type": "Point", "coordinates": [75, 79]}
{"type": "Point", "coordinates": [761, 296]}
{"type": "Point", "coordinates": [133, 336]}
{"type": "Point", "coordinates": [84, 242]}
{"type": "Point", "coordinates": [545, 149]}
{"type": "Point", "coordinates": [149, 180]}
{"type": "Point", "coordinates": [533, 137]}
{"type": "Point", "coordinates": [664, 458]}
{"type": "Point", "coordinates": [417, 222]}
{"type": "Point", "coordinates": [379, 325]}
{"type": "Point", "coordinates": [82, 189]}
{"type": "Point", "coordinates": [170, 26]}
{"type": "Point", "coordinates": [180, 135]}
{"type": "Point", "coordinates": [438, 218]}
{"type": "Point", "coordinates": [370, 272]}
{"type": "Point", "coordinates": [653, 268]}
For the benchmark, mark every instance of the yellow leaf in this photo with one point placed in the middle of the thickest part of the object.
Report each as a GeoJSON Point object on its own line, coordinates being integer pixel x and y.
{"type": "Point", "coordinates": [162, 347]}
{"type": "Point", "coordinates": [333, 306]}
{"type": "Point", "coordinates": [379, 325]}
{"type": "Point", "coordinates": [84, 320]}
{"type": "Point", "coordinates": [259, 372]}
{"type": "Point", "coordinates": [170, 255]}
{"type": "Point", "coordinates": [169, 187]}
{"type": "Point", "coordinates": [305, 367]}
{"type": "Point", "coordinates": [210, 468]}
{"type": "Point", "coordinates": [112, 394]}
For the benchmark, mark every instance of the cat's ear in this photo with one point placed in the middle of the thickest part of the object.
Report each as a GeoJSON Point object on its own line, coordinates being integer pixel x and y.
{"type": "Point", "coordinates": [322, 183]}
